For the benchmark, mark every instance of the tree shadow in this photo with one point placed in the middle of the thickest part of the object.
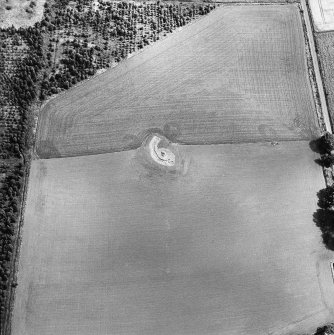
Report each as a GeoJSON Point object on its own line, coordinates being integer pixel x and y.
{"type": "Point", "coordinates": [326, 197]}
{"type": "Point", "coordinates": [325, 161]}
{"type": "Point", "coordinates": [323, 147]}
{"type": "Point", "coordinates": [318, 146]}
{"type": "Point", "coordinates": [324, 219]}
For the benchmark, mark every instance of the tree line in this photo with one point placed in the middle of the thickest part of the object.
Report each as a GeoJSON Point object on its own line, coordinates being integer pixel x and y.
{"type": "Point", "coordinates": [324, 216]}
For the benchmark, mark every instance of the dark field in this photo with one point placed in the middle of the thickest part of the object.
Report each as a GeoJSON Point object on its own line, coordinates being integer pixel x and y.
{"type": "Point", "coordinates": [229, 247]}
{"type": "Point", "coordinates": [236, 75]}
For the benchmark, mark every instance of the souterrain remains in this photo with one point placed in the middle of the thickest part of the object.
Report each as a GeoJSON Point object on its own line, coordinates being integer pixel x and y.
{"type": "Point", "coordinates": [156, 175]}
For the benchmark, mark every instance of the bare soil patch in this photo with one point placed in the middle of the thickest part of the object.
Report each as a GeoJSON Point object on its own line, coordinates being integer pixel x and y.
{"type": "Point", "coordinates": [20, 13]}
{"type": "Point", "coordinates": [237, 75]}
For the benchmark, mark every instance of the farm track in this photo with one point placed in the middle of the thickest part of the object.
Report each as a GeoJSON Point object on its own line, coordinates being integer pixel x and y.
{"type": "Point", "coordinates": [216, 97]}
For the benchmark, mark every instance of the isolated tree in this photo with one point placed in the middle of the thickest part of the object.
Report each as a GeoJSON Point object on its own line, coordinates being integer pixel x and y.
{"type": "Point", "coordinates": [326, 330]}
{"type": "Point", "coordinates": [327, 142]}
{"type": "Point", "coordinates": [326, 197]}
{"type": "Point", "coordinates": [326, 160]}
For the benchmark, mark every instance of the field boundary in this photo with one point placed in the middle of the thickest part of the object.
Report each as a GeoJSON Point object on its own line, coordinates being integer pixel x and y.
{"type": "Point", "coordinates": [264, 142]}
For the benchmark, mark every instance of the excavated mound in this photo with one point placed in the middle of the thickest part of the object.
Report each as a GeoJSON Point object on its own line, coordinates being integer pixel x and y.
{"type": "Point", "coordinates": [158, 156]}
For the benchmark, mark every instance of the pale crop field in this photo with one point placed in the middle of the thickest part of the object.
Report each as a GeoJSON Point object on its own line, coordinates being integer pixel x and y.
{"type": "Point", "coordinates": [236, 75]}
{"type": "Point", "coordinates": [111, 246]}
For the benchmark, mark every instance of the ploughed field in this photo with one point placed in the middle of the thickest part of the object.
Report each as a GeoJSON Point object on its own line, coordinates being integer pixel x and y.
{"type": "Point", "coordinates": [112, 245]}
{"type": "Point", "coordinates": [237, 75]}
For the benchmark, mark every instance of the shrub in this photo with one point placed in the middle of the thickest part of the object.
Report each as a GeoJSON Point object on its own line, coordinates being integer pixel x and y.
{"type": "Point", "coordinates": [326, 330]}
{"type": "Point", "coordinates": [326, 197]}
{"type": "Point", "coordinates": [326, 160]}
{"type": "Point", "coordinates": [327, 142]}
